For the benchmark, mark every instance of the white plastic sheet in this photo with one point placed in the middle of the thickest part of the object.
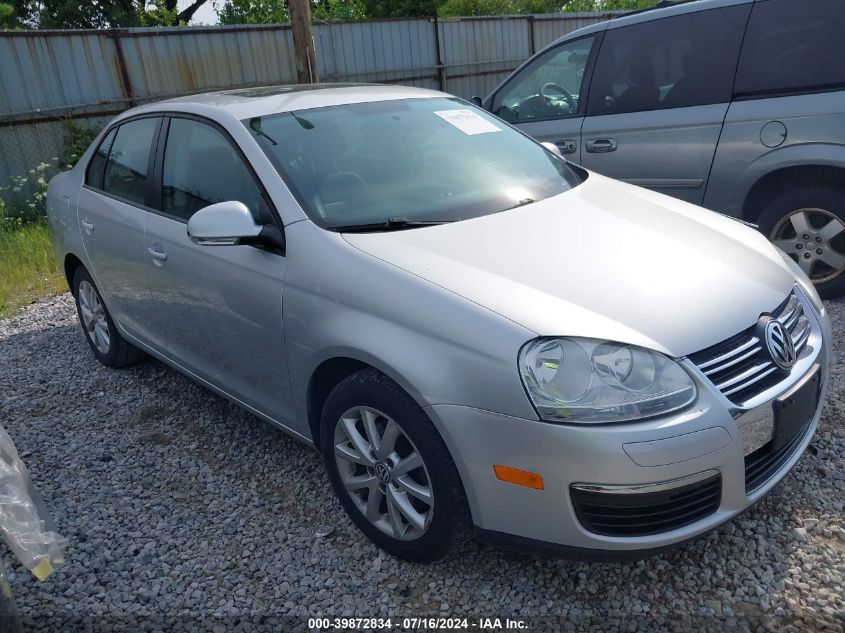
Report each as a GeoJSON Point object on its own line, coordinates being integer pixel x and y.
{"type": "Point", "coordinates": [25, 523]}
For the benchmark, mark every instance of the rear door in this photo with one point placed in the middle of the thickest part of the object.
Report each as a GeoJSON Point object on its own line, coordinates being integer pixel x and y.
{"type": "Point", "coordinates": [546, 98]}
{"type": "Point", "coordinates": [658, 97]}
{"type": "Point", "coordinates": [112, 214]}
{"type": "Point", "coordinates": [220, 306]}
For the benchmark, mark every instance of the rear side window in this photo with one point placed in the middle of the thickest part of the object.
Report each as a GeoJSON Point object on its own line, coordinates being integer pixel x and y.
{"type": "Point", "coordinates": [97, 167]}
{"type": "Point", "coordinates": [201, 168]}
{"type": "Point", "coordinates": [793, 46]}
{"type": "Point", "coordinates": [127, 163]}
{"type": "Point", "coordinates": [685, 60]}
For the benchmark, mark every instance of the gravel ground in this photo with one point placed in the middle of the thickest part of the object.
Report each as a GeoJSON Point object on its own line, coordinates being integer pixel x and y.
{"type": "Point", "coordinates": [179, 506]}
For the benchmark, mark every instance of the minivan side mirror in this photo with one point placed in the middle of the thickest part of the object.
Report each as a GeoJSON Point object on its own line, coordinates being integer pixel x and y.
{"type": "Point", "coordinates": [476, 101]}
{"type": "Point", "coordinates": [230, 223]}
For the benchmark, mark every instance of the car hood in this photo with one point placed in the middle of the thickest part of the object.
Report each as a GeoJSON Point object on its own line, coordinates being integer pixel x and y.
{"type": "Point", "coordinates": [604, 260]}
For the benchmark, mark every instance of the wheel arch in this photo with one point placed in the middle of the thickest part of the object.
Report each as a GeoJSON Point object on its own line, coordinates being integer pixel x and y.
{"type": "Point", "coordinates": [70, 265]}
{"type": "Point", "coordinates": [331, 371]}
{"type": "Point", "coordinates": [784, 177]}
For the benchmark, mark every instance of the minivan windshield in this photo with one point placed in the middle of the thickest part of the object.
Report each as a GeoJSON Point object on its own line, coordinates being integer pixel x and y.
{"type": "Point", "coordinates": [388, 165]}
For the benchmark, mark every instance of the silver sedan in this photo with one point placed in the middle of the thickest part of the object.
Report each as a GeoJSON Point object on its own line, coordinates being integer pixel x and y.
{"type": "Point", "coordinates": [473, 331]}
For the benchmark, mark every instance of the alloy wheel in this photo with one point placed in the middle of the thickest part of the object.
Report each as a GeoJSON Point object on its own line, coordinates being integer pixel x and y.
{"type": "Point", "coordinates": [384, 473]}
{"type": "Point", "coordinates": [815, 239]}
{"type": "Point", "coordinates": [94, 317]}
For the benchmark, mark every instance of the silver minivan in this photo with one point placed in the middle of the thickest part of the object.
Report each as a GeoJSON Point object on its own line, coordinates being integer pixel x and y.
{"type": "Point", "coordinates": [735, 105]}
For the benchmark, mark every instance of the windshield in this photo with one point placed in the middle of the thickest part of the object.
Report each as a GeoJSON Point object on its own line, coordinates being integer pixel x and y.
{"type": "Point", "coordinates": [406, 161]}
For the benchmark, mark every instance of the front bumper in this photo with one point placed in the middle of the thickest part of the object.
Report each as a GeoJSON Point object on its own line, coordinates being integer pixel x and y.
{"type": "Point", "coordinates": [706, 438]}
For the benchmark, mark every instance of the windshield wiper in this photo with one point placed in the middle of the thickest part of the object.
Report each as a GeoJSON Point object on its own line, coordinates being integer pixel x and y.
{"type": "Point", "coordinates": [521, 203]}
{"type": "Point", "coordinates": [390, 224]}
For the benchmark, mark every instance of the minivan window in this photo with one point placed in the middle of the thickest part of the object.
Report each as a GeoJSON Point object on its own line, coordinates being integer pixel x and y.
{"type": "Point", "coordinates": [685, 60]}
{"type": "Point", "coordinates": [550, 87]}
{"type": "Point", "coordinates": [126, 166]}
{"type": "Point", "coordinates": [201, 168]}
{"type": "Point", "coordinates": [97, 167]}
{"type": "Point", "coordinates": [793, 46]}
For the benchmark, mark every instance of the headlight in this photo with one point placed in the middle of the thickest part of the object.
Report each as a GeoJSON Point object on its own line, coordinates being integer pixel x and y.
{"type": "Point", "coordinates": [802, 280]}
{"type": "Point", "coordinates": [593, 381]}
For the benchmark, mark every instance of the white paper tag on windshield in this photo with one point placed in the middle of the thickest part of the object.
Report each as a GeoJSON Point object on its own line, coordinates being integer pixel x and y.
{"type": "Point", "coordinates": [467, 121]}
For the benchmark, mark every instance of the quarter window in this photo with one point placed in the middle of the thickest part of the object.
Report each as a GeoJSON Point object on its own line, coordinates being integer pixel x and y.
{"type": "Point", "coordinates": [793, 46]}
{"type": "Point", "coordinates": [550, 87]}
{"type": "Point", "coordinates": [201, 168]}
{"type": "Point", "coordinates": [97, 166]}
{"type": "Point", "coordinates": [685, 60]}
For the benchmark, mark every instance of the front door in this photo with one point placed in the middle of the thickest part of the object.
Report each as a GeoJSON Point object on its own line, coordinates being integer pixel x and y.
{"type": "Point", "coordinates": [220, 306]}
{"type": "Point", "coordinates": [545, 99]}
{"type": "Point", "coordinates": [659, 95]}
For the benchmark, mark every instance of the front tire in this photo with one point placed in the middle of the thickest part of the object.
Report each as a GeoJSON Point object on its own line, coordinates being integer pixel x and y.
{"type": "Point", "coordinates": [808, 224]}
{"type": "Point", "coordinates": [391, 470]}
{"type": "Point", "coordinates": [110, 348]}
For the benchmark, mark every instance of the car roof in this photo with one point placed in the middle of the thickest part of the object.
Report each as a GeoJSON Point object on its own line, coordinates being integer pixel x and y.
{"type": "Point", "coordinates": [244, 103]}
{"type": "Point", "coordinates": [646, 15]}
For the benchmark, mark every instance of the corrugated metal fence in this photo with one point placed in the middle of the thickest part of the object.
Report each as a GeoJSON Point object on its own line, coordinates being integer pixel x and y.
{"type": "Point", "coordinates": [48, 77]}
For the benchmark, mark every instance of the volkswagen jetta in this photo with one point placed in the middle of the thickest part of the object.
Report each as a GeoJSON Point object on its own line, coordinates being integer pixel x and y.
{"type": "Point", "coordinates": [471, 330]}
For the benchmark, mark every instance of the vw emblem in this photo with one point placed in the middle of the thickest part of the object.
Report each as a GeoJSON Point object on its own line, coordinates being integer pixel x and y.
{"type": "Point", "coordinates": [779, 344]}
{"type": "Point", "coordinates": [383, 472]}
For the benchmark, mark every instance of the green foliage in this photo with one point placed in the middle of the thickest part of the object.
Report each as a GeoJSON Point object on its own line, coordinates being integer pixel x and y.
{"type": "Point", "coordinates": [8, 17]}
{"type": "Point", "coordinates": [252, 12]}
{"type": "Point", "coordinates": [70, 14]}
{"type": "Point", "coordinates": [25, 199]}
{"type": "Point", "coordinates": [28, 266]}
{"type": "Point", "coordinates": [77, 140]}
{"type": "Point", "coordinates": [158, 13]}
{"type": "Point", "coordinates": [100, 14]}
{"type": "Point", "coordinates": [326, 10]}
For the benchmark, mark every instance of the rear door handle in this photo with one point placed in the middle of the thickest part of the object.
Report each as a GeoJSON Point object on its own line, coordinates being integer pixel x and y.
{"type": "Point", "coordinates": [157, 253]}
{"type": "Point", "coordinates": [88, 226]}
{"type": "Point", "coordinates": [567, 146]}
{"type": "Point", "coordinates": [602, 145]}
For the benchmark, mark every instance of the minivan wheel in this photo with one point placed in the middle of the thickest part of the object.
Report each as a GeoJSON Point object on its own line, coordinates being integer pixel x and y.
{"type": "Point", "coordinates": [105, 341]}
{"type": "Point", "coordinates": [391, 470]}
{"type": "Point", "coordinates": [808, 224]}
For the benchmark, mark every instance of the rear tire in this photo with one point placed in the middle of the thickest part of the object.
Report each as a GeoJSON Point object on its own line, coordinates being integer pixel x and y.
{"type": "Point", "coordinates": [110, 348]}
{"type": "Point", "coordinates": [419, 514]}
{"type": "Point", "coordinates": [808, 224]}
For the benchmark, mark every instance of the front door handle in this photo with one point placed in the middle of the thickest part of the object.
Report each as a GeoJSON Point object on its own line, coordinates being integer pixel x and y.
{"type": "Point", "coordinates": [567, 146]}
{"type": "Point", "coordinates": [88, 226]}
{"type": "Point", "coordinates": [601, 145]}
{"type": "Point", "coordinates": [157, 253]}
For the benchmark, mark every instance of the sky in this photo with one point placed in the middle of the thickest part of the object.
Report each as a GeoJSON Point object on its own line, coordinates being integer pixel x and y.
{"type": "Point", "coordinates": [205, 15]}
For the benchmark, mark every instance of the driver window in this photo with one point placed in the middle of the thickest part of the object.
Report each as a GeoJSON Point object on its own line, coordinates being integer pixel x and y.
{"type": "Point", "coordinates": [550, 87]}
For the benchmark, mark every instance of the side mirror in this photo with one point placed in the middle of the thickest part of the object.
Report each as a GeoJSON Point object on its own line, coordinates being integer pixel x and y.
{"type": "Point", "coordinates": [230, 223]}
{"type": "Point", "coordinates": [476, 101]}
{"type": "Point", "coordinates": [221, 224]}
{"type": "Point", "coordinates": [552, 148]}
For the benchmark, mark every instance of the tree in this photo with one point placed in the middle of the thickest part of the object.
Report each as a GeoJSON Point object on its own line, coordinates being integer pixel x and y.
{"type": "Point", "coordinates": [8, 19]}
{"type": "Point", "coordinates": [100, 14]}
{"type": "Point", "coordinates": [253, 12]}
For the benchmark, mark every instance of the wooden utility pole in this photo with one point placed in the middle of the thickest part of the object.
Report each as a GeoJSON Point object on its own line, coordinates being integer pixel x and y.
{"type": "Point", "coordinates": [303, 42]}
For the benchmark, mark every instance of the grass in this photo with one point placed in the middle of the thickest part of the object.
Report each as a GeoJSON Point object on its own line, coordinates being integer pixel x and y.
{"type": "Point", "coordinates": [28, 267]}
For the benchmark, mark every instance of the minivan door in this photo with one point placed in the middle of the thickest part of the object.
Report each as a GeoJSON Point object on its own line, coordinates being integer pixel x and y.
{"type": "Point", "coordinates": [546, 98]}
{"type": "Point", "coordinates": [221, 306]}
{"type": "Point", "coordinates": [658, 98]}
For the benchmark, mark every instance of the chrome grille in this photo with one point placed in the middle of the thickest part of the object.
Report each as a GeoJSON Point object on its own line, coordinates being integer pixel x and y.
{"type": "Point", "coordinates": [740, 367]}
